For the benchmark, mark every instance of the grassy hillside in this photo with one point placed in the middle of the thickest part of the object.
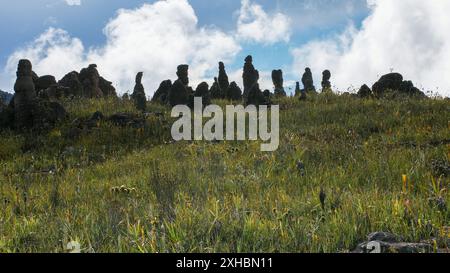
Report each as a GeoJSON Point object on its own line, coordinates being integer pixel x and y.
{"type": "Point", "coordinates": [381, 164]}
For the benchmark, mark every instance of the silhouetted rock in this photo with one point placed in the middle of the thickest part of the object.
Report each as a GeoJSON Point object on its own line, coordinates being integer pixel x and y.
{"type": "Point", "coordinates": [90, 79]}
{"type": "Point", "coordinates": [107, 88]}
{"type": "Point", "coordinates": [181, 93]}
{"type": "Point", "coordinates": [267, 94]}
{"type": "Point", "coordinates": [234, 92]}
{"type": "Point", "coordinates": [223, 80]}
{"type": "Point", "coordinates": [215, 91]}
{"type": "Point", "coordinates": [162, 93]}
{"type": "Point", "coordinates": [391, 81]}
{"type": "Point", "coordinates": [307, 81]}
{"type": "Point", "coordinates": [138, 96]}
{"type": "Point", "coordinates": [326, 84]}
{"type": "Point", "coordinates": [25, 100]}
{"type": "Point", "coordinates": [27, 109]}
{"type": "Point", "coordinates": [54, 92]}
{"type": "Point", "coordinates": [277, 79]}
{"type": "Point", "coordinates": [71, 81]}
{"type": "Point", "coordinates": [297, 89]}
{"type": "Point", "coordinates": [44, 82]}
{"type": "Point", "coordinates": [250, 76]}
{"type": "Point", "coordinates": [202, 91]}
{"type": "Point", "coordinates": [364, 92]}
{"type": "Point", "coordinates": [252, 92]}
{"type": "Point", "coordinates": [394, 82]}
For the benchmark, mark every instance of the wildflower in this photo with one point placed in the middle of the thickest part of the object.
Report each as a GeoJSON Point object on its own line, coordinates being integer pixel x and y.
{"type": "Point", "coordinates": [405, 183]}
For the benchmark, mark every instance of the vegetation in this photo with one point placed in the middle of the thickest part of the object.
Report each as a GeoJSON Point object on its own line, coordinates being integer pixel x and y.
{"type": "Point", "coordinates": [382, 164]}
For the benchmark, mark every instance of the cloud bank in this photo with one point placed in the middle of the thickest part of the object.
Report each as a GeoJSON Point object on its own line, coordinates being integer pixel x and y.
{"type": "Point", "coordinates": [73, 2]}
{"type": "Point", "coordinates": [255, 25]}
{"type": "Point", "coordinates": [407, 36]}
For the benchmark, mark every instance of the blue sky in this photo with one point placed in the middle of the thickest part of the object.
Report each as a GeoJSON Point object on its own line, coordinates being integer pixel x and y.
{"type": "Point", "coordinates": [308, 30]}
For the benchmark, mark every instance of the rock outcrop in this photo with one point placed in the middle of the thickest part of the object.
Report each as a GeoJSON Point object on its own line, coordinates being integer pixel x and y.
{"type": "Point", "coordinates": [326, 84]}
{"type": "Point", "coordinates": [364, 92]}
{"type": "Point", "coordinates": [215, 91]}
{"type": "Point", "coordinates": [162, 93]}
{"type": "Point", "coordinates": [223, 80]}
{"type": "Point", "coordinates": [202, 91]}
{"type": "Point", "coordinates": [181, 93]}
{"type": "Point", "coordinates": [71, 81]}
{"type": "Point", "coordinates": [252, 92]}
{"type": "Point", "coordinates": [26, 110]}
{"type": "Point", "coordinates": [44, 82]}
{"type": "Point", "coordinates": [277, 79]}
{"type": "Point", "coordinates": [25, 99]}
{"type": "Point", "coordinates": [308, 82]}
{"type": "Point", "coordinates": [90, 79]}
{"type": "Point", "coordinates": [394, 82]}
{"type": "Point", "coordinates": [234, 92]}
{"type": "Point", "coordinates": [138, 96]}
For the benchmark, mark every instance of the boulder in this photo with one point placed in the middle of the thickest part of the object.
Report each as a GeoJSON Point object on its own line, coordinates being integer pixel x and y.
{"type": "Point", "coordinates": [202, 91]}
{"type": "Point", "coordinates": [364, 92]}
{"type": "Point", "coordinates": [72, 82]}
{"type": "Point", "coordinates": [44, 82]}
{"type": "Point", "coordinates": [234, 92]}
{"type": "Point", "coordinates": [162, 93]}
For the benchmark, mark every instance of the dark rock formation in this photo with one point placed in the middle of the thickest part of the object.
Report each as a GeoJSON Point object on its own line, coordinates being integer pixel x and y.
{"type": "Point", "coordinates": [252, 92]}
{"type": "Point", "coordinates": [383, 242]}
{"type": "Point", "coordinates": [162, 93]}
{"type": "Point", "coordinates": [54, 92]}
{"type": "Point", "coordinates": [307, 81]}
{"type": "Point", "coordinates": [90, 79]}
{"type": "Point", "coordinates": [202, 91]}
{"type": "Point", "coordinates": [234, 92]}
{"type": "Point", "coordinates": [107, 88]}
{"type": "Point", "coordinates": [223, 80]}
{"type": "Point", "coordinates": [215, 91]}
{"type": "Point", "coordinates": [326, 84]}
{"type": "Point", "coordinates": [71, 81]}
{"type": "Point", "coordinates": [25, 100]}
{"type": "Point", "coordinates": [250, 76]}
{"type": "Point", "coordinates": [181, 93]}
{"type": "Point", "coordinates": [394, 82]}
{"type": "Point", "coordinates": [277, 79]}
{"type": "Point", "coordinates": [138, 95]}
{"type": "Point", "coordinates": [364, 92]}
{"type": "Point", "coordinates": [297, 89]}
{"type": "Point", "coordinates": [267, 95]}
{"type": "Point", "coordinates": [26, 110]}
{"type": "Point", "coordinates": [44, 82]}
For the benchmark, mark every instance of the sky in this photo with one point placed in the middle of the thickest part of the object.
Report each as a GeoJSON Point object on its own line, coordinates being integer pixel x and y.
{"type": "Point", "coordinates": [358, 40]}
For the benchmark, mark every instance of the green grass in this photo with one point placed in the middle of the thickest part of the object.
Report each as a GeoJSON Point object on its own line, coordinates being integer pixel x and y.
{"type": "Point", "coordinates": [229, 196]}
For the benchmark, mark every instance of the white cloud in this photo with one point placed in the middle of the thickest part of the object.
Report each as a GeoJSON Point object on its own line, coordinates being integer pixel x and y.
{"type": "Point", "coordinates": [73, 2]}
{"type": "Point", "coordinates": [255, 25]}
{"type": "Point", "coordinates": [408, 36]}
{"type": "Point", "coordinates": [154, 38]}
